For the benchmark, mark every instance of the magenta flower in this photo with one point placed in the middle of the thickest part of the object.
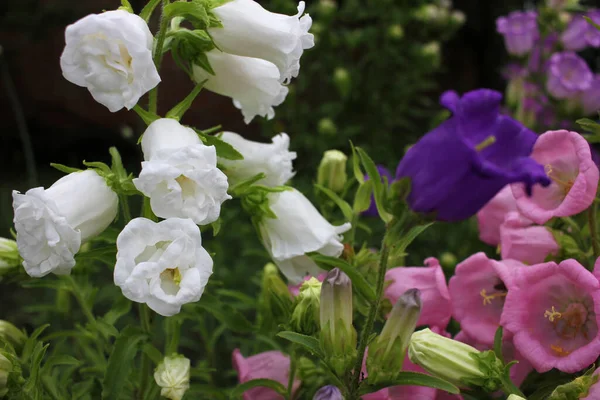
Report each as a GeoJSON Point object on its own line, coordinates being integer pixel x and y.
{"type": "Point", "coordinates": [574, 37]}
{"type": "Point", "coordinates": [554, 311]}
{"type": "Point", "coordinates": [520, 31]}
{"type": "Point", "coordinates": [592, 36]}
{"type": "Point", "coordinates": [568, 162]}
{"type": "Point", "coordinates": [295, 289]}
{"type": "Point", "coordinates": [492, 215]}
{"type": "Point", "coordinates": [431, 282]}
{"type": "Point", "coordinates": [270, 365]}
{"type": "Point", "coordinates": [590, 99]}
{"type": "Point", "coordinates": [518, 372]}
{"type": "Point", "coordinates": [567, 75]}
{"type": "Point", "coordinates": [525, 243]}
{"type": "Point", "coordinates": [478, 290]}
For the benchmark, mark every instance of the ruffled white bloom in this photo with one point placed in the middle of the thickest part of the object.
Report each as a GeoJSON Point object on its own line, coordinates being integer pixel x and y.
{"type": "Point", "coordinates": [180, 174]}
{"type": "Point", "coordinates": [111, 55]}
{"type": "Point", "coordinates": [52, 224]}
{"type": "Point", "coordinates": [273, 159]}
{"type": "Point", "coordinates": [173, 376]}
{"type": "Point", "coordinates": [298, 229]}
{"type": "Point", "coordinates": [162, 264]}
{"type": "Point", "coordinates": [252, 83]}
{"type": "Point", "coordinates": [251, 31]}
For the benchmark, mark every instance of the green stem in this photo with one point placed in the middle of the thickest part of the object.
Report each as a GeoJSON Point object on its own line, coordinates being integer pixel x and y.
{"type": "Point", "coordinates": [87, 311]}
{"type": "Point", "coordinates": [368, 326]}
{"type": "Point", "coordinates": [508, 387]}
{"type": "Point", "coordinates": [173, 326]}
{"type": "Point", "coordinates": [158, 55]}
{"type": "Point", "coordinates": [592, 220]}
{"type": "Point", "coordinates": [290, 386]}
{"type": "Point", "coordinates": [147, 327]}
{"type": "Point", "coordinates": [124, 202]}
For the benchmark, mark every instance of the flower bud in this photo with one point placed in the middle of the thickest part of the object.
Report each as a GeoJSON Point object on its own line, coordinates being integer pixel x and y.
{"type": "Point", "coordinates": [173, 376]}
{"type": "Point", "coordinates": [9, 255]}
{"type": "Point", "coordinates": [275, 301]}
{"type": "Point", "coordinates": [386, 353]}
{"type": "Point", "coordinates": [432, 50]}
{"type": "Point", "coordinates": [305, 317]}
{"type": "Point", "coordinates": [338, 336]}
{"type": "Point", "coordinates": [579, 388]}
{"type": "Point", "coordinates": [342, 81]}
{"type": "Point", "coordinates": [328, 392]}
{"type": "Point", "coordinates": [456, 362]}
{"type": "Point", "coordinates": [327, 127]}
{"type": "Point", "coordinates": [515, 397]}
{"type": "Point", "coordinates": [332, 170]}
{"type": "Point", "coordinates": [396, 31]}
{"type": "Point", "coordinates": [12, 335]}
{"type": "Point", "coordinates": [457, 17]}
{"type": "Point", "coordinates": [448, 260]}
{"type": "Point", "coordinates": [5, 369]}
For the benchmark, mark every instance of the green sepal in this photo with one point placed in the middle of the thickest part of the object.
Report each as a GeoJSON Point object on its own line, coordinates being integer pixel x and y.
{"type": "Point", "coordinates": [224, 149]}
{"type": "Point", "coordinates": [179, 110]}
{"type": "Point", "coordinates": [64, 168]}
{"type": "Point", "coordinates": [146, 116]}
{"type": "Point", "coordinates": [362, 199]}
{"type": "Point", "coordinates": [126, 6]}
{"type": "Point", "coordinates": [189, 47]}
{"type": "Point", "coordinates": [492, 370]}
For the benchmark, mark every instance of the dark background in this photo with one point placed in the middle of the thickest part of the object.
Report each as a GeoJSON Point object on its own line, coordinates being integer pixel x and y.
{"type": "Point", "coordinates": [67, 126]}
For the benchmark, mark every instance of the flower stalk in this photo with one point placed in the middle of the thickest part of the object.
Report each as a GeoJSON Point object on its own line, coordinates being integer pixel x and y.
{"type": "Point", "coordinates": [158, 55]}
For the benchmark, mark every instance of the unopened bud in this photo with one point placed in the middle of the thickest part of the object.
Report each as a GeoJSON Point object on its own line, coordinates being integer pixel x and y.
{"type": "Point", "coordinates": [332, 170]}
{"type": "Point", "coordinates": [579, 388]}
{"type": "Point", "coordinates": [454, 361]}
{"type": "Point", "coordinates": [12, 335]}
{"type": "Point", "coordinates": [328, 392]}
{"type": "Point", "coordinates": [338, 336]}
{"type": "Point", "coordinates": [386, 353]}
{"type": "Point", "coordinates": [305, 317]}
{"type": "Point", "coordinates": [458, 17]}
{"type": "Point", "coordinates": [432, 51]}
{"type": "Point", "coordinates": [342, 81]}
{"type": "Point", "coordinates": [9, 255]}
{"type": "Point", "coordinates": [396, 31]}
{"type": "Point", "coordinates": [173, 376]}
{"type": "Point", "coordinates": [327, 127]}
{"type": "Point", "coordinates": [5, 369]}
{"type": "Point", "coordinates": [448, 260]}
{"type": "Point", "coordinates": [515, 397]}
{"type": "Point", "coordinates": [275, 301]}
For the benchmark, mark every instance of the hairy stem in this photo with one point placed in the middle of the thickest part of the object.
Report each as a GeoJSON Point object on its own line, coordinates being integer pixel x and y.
{"type": "Point", "coordinates": [157, 57]}
{"type": "Point", "coordinates": [146, 367]}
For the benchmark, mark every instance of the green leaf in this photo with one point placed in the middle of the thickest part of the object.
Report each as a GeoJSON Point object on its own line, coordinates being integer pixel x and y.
{"type": "Point", "coordinates": [276, 386]}
{"type": "Point", "coordinates": [308, 342]}
{"type": "Point", "coordinates": [358, 281]}
{"type": "Point", "coordinates": [588, 19]}
{"type": "Point", "coordinates": [32, 342]}
{"type": "Point", "coordinates": [192, 11]}
{"type": "Point", "coordinates": [216, 227]}
{"type": "Point", "coordinates": [179, 110]}
{"type": "Point", "coordinates": [148, 9]}
{"type": "Point", "coordinates": [224, 149]}
{"type": "Point", "coordinates": [358, 174]}
{"type": "Point", "coordinates": [362, 199]}
{"type": "Point", "coordinates": [498, 344]}
{"type": "Point", "coordinates": [343, 205]}
{"type": "Point", "coordinates": [120, 308]}
{"type": "Point", "coordinates": [407, 239]}
{"type": "Point", "coordinates": [589, 125]}
{"type": "Point", "coordinates": [145, 115]}
{"type": "Point", "coordinates": [412, 379]}
{"type": "Point", "coordinates": [125, 5]}
{"type": "Point", "coordinates": [155, 355]}
{"type": "Point", "coordinates": [379, 191]}
{"type": "Point", "coordinates": [64, 168]}
{"type": "Point", "coordinates": [225, 313]}
{"type": "Point", "coordinates": [31, 386]}
{"type": "Point", "coordinates": [120, 362]}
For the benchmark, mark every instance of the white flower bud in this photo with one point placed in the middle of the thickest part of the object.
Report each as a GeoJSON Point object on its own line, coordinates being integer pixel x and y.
{"type": "Point", "coordinates": [252, 83]}
{"type": "Point", "coordinates": [332, 170]}
{"type": "Point", "coordinates": [180, 174]}
{"type": "Point", "coordinates": [52, 223]}
{"type": "Point", "coordinates": [273, 159]}
{"type": "Point", "coordinates": [299, 228]}
{"type": "Point", "coordinates": [111, 55]}
{"type": "Point", "coordinates": [173, 376]}
{"type": "Point", "coordinates": [9, 255]}
{"type": "Point", "coordinates": [162, 264]}
{"type": "Point", "coordinates": [251, 31]}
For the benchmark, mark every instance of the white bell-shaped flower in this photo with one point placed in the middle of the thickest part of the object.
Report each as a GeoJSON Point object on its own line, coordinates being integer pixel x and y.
{"type": "Point", "coordinates": [180, 174]}
{"type": "Point", "coordinates": [251, 31]}
{"type": "Point", "coordinates": [111, 55]}
{"type": "Point", "coordinates": [52, 223]}
{"type": "Point", "coordinates": [298, 229]}
{"type": "Point", "coordinates": [252, 83]}
{"type": "Point", "coordinates": [173, 376]}
{"type": "Point", "coordinates": [162, 264]}
{"type": "Point", "coordinates": [273, 159]}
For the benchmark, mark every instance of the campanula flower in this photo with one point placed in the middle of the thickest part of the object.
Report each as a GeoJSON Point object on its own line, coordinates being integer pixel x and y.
{"type": "Point", "coordinates": [553, 310]}
{"type": "Point", "coordinates": [463, 163]}
{"type": "Point", "coordinates": [567, 75]}
{"type": "Point", "coordinates": [567, 160]}
{"type": "Point", "coordinates": [173, 376]}
{"type": "Point", "coordinates": [520, 31]}
{"type": "Point", "coordinates": [521, 241]}
{"type": "Point", "coordinates": [492, 215]}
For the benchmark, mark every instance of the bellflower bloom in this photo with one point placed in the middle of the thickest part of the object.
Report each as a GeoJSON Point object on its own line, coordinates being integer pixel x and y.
{"type": "Point", "coordinates": [431, 283]}
{"type": "Point", "coordinates": [590, 98]}
{"type": "Point", "coordinates": [272, 365]}
{"type": "Point", "coordinates": [273, 159]}
{"type": "Point", "coordinates": [298, 229]}
{"type": "Point", "coordinates": [574, 37]}
{"type": "Point", "coordinates": [528, 244]}
{"type": "Point", "coordinates": [111, 55]}
{"type": "Point", "coordinates": [52, 223]}
{"type": "Point", "coordinates": [478, 290]}
{"type": "Point", "coordinates": [383, 172]}
{"type": "Point", "coordinates": [492, 215]}
{"type": "Point", "coordinates": [180, 174]}
{"type": "Point", "coordinates": [162, 264]}
{"type": "Point", "coordinates": [554, 311]}
{"type": "Point", "coordinates": [567, 75]}
{"type": "Point", "coordinates": [574, 176]}
{"type": "Point", "coordinates": [251, 31]}
{"type": "Point", "coordinates": [328, 392]}
{"type": "Point", "coordinates": [520, 31]}
{"type": "Point", "coordinates": [252, 83]}
{"type": "Point", "coordinates": [593, 34]}
{"type": "Point", "coordinates": [173, 376]}
{"type": "Point", "coordinates": [476, 148]}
